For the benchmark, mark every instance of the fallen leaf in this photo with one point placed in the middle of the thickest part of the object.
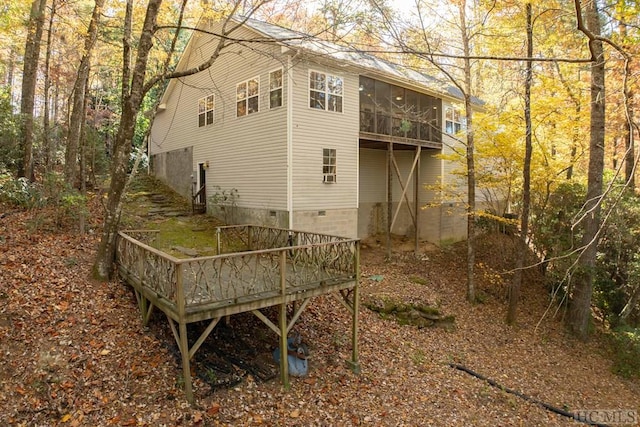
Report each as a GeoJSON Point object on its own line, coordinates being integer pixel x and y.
{"type": "Point", "coordinates": [65, 418]}
{"type": "Point", "coordinates": [295, 413]}
{"type": "Point", "coordinates": [213, 409]}
{"type": "Point", "coordinates": [197, 418]}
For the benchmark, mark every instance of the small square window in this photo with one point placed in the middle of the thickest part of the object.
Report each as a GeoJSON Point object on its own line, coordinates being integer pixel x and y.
{"type": "Point", "coordinates": [329, 165]}
{"type": "Point", "coordinates": [206, 108]}
{"type": "Point", "coordinates": [453, 122]}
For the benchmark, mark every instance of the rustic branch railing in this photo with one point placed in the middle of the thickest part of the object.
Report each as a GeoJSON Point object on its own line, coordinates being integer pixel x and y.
{"type": "Point", "coordinates": [269, 266]}
{"type": "Point", "coordinates": [312, 260]}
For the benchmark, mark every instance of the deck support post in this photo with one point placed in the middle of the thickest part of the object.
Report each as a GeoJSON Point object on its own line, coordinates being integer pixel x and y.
{"type": "Point", "coordinates": [145, 306]}
{"type": "Point", "coordinates": [284, 347]}
{"type": "Point", "coordinates": [184, 343]}
{"type": "Point", "coordinates": [354, 363]}
{"type": "Point", "coordinates": [186, 368]}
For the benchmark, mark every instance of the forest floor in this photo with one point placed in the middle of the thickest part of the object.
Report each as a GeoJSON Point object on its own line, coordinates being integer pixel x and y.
{"type": "Point", "coordinates": [75, 353]}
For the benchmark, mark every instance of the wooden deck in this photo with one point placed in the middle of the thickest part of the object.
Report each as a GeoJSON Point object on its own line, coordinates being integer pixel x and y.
{"type": "Point", "coordinates": [257, 267]}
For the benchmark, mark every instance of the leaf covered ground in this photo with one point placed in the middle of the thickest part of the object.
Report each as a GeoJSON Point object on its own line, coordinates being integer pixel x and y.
{"type": "Point", "coordinates": [74, 351]}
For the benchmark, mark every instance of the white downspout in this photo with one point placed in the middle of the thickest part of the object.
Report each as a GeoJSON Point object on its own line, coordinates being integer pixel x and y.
{"type": "Point", "coordinates": [290, 141]}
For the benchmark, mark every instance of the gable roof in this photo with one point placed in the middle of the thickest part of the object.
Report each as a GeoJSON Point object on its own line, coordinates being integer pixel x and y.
{"type": "Point", "coordinates": [298, 40]}
{"type": "Point", "coordinates": [367, 62]}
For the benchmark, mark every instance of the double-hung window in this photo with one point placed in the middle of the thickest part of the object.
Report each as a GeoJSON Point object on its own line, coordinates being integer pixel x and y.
{"type": "Point", "coordinates": [206, 108]}
{"type": "Point", "coordinates": [248, 97]}
{"type": "Point", "coordinates": [328, 165]}
{"type": "Point", "coordinates": [275, 88]}
{"type": "Point", "coordinates": [452, 121]}
{"type": "Point", "coordinates": [325, 91]}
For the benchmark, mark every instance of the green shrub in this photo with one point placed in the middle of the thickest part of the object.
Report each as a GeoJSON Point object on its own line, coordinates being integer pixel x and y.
{"type": "Point", "coordinates": [625, 343]}
{"type": "Point", "coordinates": [68, 204]}
{"type": "Point", "coordinates": [9, 150]}
{"type": "Point", "coordinates": [20, 192]}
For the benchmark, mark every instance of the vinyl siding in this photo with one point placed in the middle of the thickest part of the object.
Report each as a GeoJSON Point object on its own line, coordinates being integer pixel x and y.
{"type": "Point", "coordinates": [313, 130]}
{"type": "Point", "coordinates": [247, 153]}
{"type": "Point", "coordinates": [373, 175]}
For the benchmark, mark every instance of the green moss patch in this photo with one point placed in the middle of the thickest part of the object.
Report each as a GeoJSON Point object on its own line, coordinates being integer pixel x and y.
{"type": "Point", "coordinates": [420, 315]}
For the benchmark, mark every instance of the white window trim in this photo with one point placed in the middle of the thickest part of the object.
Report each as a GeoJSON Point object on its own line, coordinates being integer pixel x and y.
{"type": "Point", "coordinates": [326, 92]}
{"type": "Point", "coordinates": [246, 98]}
{"type": "Point", "coordinates": [461, 120]}
{"type": "Point", "coordinates": [205, 111]}
{"type": "Point", "coordinates": [281, 87]}
{"type": "Point", "coordinates": [330, 177]}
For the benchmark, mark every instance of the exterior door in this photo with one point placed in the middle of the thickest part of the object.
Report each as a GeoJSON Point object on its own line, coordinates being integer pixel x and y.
{"type": "Point", "coordinates": [200, 199]}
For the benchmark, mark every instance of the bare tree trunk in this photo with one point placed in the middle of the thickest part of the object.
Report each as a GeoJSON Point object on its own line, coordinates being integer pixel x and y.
{"type": "Point", "coordinates": [629, 153]}
{"type": "Point", "coordinates": [126, 49]}
{"type": "Point", "coordinates": [514, 289]}
{"type": "Point", "coordinates": [580, 302]}
{"type": "Point", "coordinates": [46, 125]}
{"type": "Point", "coordinates": [630, 157]}
{"type": "Point", "coordinates": [79, 89]}
{"type": "Point", "coordinates": [131, 103]}
{"type": "Point", "coordinates": [29, 79]}
{"type": "Point", "coordinates": [8, 81]}
{"type": "Point", "coordinates": [83, 162]}
{"type": "Point", "coordinates": [471, 174]}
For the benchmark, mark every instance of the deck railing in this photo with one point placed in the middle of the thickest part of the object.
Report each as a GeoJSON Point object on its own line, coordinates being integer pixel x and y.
{"type": "Point", "coordinates": [236, 238]}
{"type": "Point", "coordinates": [266, 262]}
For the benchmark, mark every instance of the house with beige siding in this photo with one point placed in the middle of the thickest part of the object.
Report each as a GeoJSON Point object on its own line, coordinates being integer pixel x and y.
{"type": "Point", "coordinates": [291, 131]}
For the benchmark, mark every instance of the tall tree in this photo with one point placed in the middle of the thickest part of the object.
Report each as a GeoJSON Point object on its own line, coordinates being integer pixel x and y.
{"type": "Point", "coordinates": [29, 80]}
{"type": "Point", "coordinates": [514, 289]}
{"type": "Point", "coordinates": [79, 91]}
{"type": "Point", "coordinates": [131, 102]}
{"type": "Point", "coordinates": [46, 125]}
{"type": "Point", "coordinates": [580, 302]}
{"type": "Point", "coordinates": [470, 153]}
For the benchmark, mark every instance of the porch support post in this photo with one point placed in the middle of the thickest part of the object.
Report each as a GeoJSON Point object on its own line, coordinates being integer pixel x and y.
{"type": "Point", "coordinates": [404, 186]}
{"type": "Point", "coordinates": [417, 200]}
{"type": "Point", "coordinates": [389, 196]}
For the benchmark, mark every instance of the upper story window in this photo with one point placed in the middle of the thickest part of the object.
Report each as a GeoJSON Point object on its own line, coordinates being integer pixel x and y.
{"type": "Point", "coordinates": [452, 121]}
{"type": "Point", "coordinates": [275, 89]}
{"type": "Point", "coordinates": [325, 91]}
{"type": "Point", "coordinates": [329, 165]}
{"type": "Point", "coordinates": [248, 97]}
{"type": "Point", "coordinates": [206, 108]}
